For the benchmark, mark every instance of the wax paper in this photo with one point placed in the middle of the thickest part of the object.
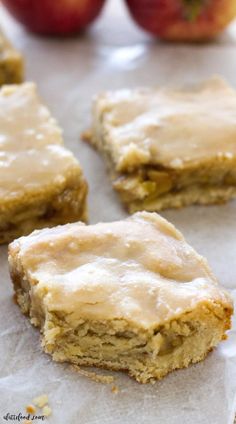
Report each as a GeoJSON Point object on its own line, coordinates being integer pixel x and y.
{"type": "Point", "coordinates": [114, 53]}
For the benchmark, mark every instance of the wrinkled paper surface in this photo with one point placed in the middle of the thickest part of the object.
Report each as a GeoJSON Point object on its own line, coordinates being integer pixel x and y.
{"type": "Point", "coordinates": [113, 54]}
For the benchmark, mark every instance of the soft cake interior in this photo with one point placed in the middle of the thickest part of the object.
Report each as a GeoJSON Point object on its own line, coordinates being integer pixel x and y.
{"type": "Point", "coordinates": [115, 344]}
{"type": "Point", "coordinates": [155, 187]}
{"type": "Point", "coordinates": [42, 183]}
{"type": "Point", "coordinates": [128, 295]}
{"type": "Point", "coordinates": [52, 206]}
{"type": "Point", "coordinates": [168, 148]}
{"type": "Point", "coordinates": [11, 63]}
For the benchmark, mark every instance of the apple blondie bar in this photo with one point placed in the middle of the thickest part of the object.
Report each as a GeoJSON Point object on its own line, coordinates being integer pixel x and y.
{"type": "Point", "coordinates": [128, 295]}
{"type": "Point", "coordinates": [11, 63]}
{"type": "Point", "coordinates": [41, 182]}
{"type": "Point", "coordinates": [167, 148]}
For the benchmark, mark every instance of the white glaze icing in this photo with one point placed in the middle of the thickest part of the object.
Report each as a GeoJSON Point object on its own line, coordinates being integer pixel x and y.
{"type": "Point", "coordinates": [32, 154]}
{"type": "Point", "coordinates": [173, 128]}
{"type": "Point", "coordinates": [140, 269]}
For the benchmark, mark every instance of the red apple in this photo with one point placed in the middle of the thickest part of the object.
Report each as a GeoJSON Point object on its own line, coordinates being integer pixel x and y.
{"type": "Point", "coordinates": [183, 20]}
{"type": "Point", "coordinates": [55, 17]}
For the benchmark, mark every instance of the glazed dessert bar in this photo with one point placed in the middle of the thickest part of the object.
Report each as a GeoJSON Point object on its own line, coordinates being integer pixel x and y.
{"type": "Point", "coordinates": [11, 63]}
{"type": "Point", "coordinates": [41, 182]}
{"type": "Point", "coordinates": [169, 148]}
{"type": "Point", "coordinates": [129, 295]}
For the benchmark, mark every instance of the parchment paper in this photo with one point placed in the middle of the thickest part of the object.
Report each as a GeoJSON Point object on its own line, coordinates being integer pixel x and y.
{"type": "Point", "coordinates": [114, 53]}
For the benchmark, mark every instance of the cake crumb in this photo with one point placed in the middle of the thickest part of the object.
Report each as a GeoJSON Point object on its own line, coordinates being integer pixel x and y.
{"type": "Point", "coordinates": [46, 411]}
{"type": "Point", "coordinates": [105, 379]}
{"type": "Point", "coordinates": [115, 389]}
{"type": "Point", "coordinates": [40, 401]}
{"type": "Point", "coordinates": [27, 422]}
{"type": "Point", "coordinates": [86, 136]}
{"type": "Point", "coordinates": [30, 409]}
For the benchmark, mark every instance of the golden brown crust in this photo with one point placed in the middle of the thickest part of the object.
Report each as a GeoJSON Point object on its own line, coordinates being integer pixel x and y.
{"type": "Point", "coordinates": [168, 148]}
{"type": "Point", "coordinates": [11, 63]}
{"type": "Point", "coordinates": [104, 295]}
{"type": "Point", "coordinates": [41, 182]}
{"type": "Point", "coordinates": [69, 205]}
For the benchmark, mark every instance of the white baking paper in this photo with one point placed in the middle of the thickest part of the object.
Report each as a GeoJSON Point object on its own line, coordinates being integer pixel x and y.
{"type": "Point", "coordinates": [113, 54]}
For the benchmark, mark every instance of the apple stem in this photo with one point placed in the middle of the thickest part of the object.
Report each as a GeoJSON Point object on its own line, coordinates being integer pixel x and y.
{"type": "Point", "coordinates": [193, 8]}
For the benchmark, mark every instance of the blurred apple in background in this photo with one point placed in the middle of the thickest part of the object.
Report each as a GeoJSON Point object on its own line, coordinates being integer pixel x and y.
{"type": "Point", "coordinates": [183, 20]}
{"type": "Point", "coordinates": [55, 17]}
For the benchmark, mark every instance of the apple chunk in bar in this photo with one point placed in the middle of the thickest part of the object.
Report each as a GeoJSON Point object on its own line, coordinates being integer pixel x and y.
{"type": "Point", "coordinates": [168, 148]}
{"type": "Point", "coordinates": [41, 182]}
{"type": "Point", "coordinates": [129, 295]}
{"type": "Point", "coordinates": [11, 63]}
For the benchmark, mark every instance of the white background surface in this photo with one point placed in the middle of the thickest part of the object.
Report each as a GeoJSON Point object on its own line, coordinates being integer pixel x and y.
{"type": "Point", "coordinates": [114, 53]}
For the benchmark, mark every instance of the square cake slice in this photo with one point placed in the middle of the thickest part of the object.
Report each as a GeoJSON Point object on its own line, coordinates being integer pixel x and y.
{"type": "Point", "coordinates": [41, 182]}
{"type": "Point", "coordinates": [167, 148]}
{"type": "Point", "coordinates": [128, 295]}
{"type": "Point", "coordinates": [11, 63]}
